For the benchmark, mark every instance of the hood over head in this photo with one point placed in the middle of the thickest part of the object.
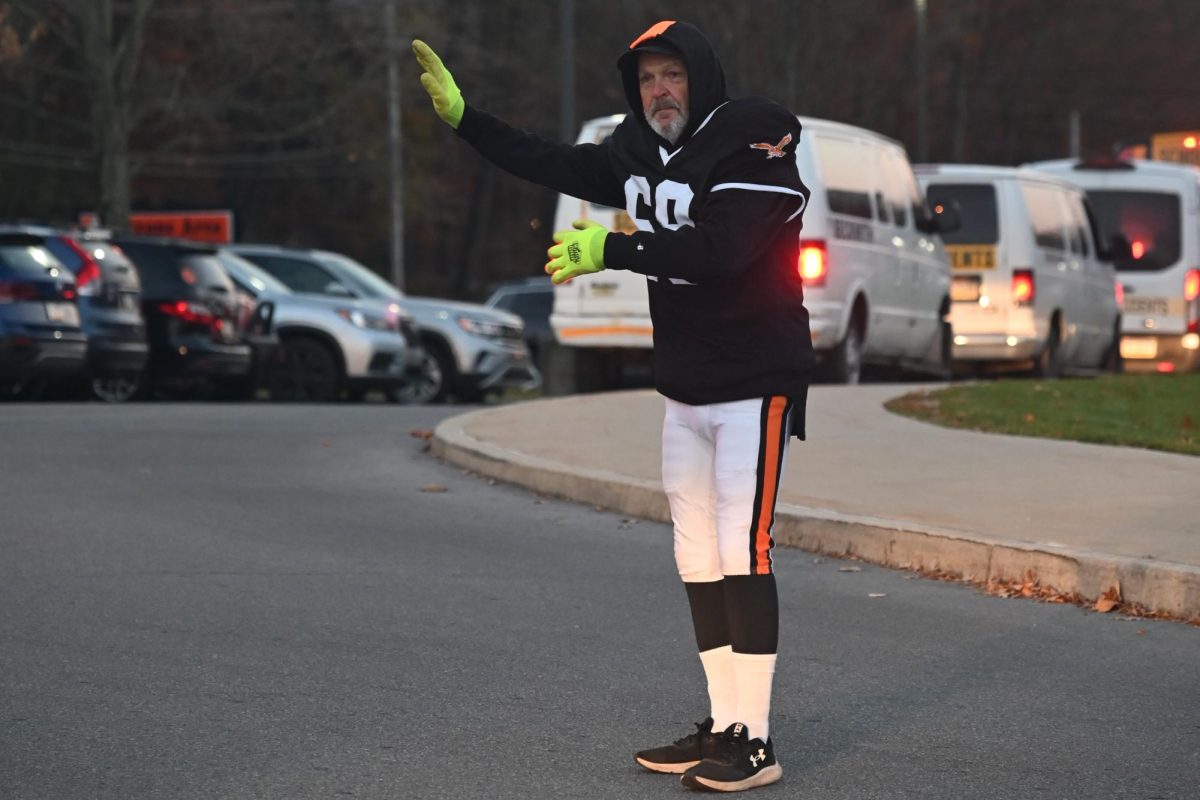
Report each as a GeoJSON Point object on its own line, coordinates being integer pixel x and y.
{"type": "Point", "coordinates": [706, 79]}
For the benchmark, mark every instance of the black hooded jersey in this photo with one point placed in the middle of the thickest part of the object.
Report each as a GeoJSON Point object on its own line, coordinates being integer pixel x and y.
{"type": "Point", "coordinates": [718, 218]}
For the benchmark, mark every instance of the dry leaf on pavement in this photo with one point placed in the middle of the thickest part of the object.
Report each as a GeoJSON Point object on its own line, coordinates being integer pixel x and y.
{"type": "Point", "coordinates": [434, 487]}
{"type": "Point", "coordinates": [849, 569]}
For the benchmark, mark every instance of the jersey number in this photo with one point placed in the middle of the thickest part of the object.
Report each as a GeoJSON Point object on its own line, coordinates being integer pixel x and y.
{"type": "Point", "coordinates": [670, 203]}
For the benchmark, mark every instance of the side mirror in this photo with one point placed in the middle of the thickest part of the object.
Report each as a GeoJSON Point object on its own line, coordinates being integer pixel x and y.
{"type": "Point", "coordinates": [337, 289]}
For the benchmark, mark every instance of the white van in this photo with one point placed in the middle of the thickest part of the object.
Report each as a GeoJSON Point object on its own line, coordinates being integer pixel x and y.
{"type": "Point", "coordinates": [1154, 207]}
{"type": "Point", "coordinates": [877, 280]}
{"type": "Point", "coordinates": [1030, 288]}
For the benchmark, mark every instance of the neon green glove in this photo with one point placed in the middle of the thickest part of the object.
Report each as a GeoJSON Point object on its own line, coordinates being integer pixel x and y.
{"type": "Point", "coordinates": [437, 80]}
{"type": "Point", "coordinates": [577, 252]}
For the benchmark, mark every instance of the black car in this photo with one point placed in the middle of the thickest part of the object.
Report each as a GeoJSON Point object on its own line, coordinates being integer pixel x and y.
{"type": "Point", "coordinates": [531, 299]}
{"type": "Point", "coordinates": [40, 335]}
{"type": "Point", "coordinates": [109, 310]}
{"type": "Point", "coordinates": [202, 341]}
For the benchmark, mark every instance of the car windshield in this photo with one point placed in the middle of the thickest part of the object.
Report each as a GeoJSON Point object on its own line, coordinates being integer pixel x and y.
{"type": "Point", "coordinates": [363, 279]}
{"type": "Point", "coordinates": [1149, 221]}
{"type": "Point", "coordinates": [253, 277]}
{"type": "Point", "coordinates": [25, 260]}
{"type": "Point", "coordinates": [977, 208]}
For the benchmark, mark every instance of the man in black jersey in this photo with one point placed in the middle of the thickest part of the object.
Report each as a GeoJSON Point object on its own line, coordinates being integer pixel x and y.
{"type": "Point", "coordinates": [712, 185]}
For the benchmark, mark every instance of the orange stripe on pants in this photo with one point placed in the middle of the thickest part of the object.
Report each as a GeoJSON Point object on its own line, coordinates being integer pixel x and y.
{"type": "Point", "coordinates": [772, 437]}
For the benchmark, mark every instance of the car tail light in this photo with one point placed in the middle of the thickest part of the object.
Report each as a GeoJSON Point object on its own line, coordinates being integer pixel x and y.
{"type": "Point", "coordinates": [14, 291]}
{"type": "Point", "coordinates": [192, 313]}
{"type": "Point", "coordinates": [87, 280]}
{"type": "Point", "coordinates": [1119, 292]}
{"type": "Point", "coordinates": [1023, 289]}
{"type": "Point", "coordinates": [813, 263]}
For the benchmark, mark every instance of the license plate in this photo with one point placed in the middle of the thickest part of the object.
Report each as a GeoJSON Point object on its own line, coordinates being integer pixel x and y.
{"type": "Point", "coordinates": [1147, 306]}
{"type": "Point", "coordinates": [127, 301]}
{"type": "Point", "coordinates": [1139, 347]}
{"type": "Point", "coordinates": [965, 289]}
{"type": "Point", "coordinates": [971, 256]}
{"type": "Point", "coordinates": [62, 313]}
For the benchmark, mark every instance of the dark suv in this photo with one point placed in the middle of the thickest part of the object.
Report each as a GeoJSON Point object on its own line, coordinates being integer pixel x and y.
{"type": "Point", "coordinates": [202, 341]}
{"type": "Point", "coordinates": [40, 335]}
{"type": "Point", "coordinates": [109, 310]}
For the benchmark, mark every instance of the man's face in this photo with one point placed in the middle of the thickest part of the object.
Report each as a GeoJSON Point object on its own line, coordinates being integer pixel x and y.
{"type": "Point", "coordinates": [663, 82]}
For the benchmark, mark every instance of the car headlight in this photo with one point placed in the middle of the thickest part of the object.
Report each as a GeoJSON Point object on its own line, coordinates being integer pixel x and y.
{"type": "Point", "coordinates": [369, 321]}
{"type": "Point", "coordinates": [481, 327]}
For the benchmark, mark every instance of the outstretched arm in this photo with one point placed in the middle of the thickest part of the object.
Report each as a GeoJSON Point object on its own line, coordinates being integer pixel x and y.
{"type": "Point", "coordinates": [583, 171]}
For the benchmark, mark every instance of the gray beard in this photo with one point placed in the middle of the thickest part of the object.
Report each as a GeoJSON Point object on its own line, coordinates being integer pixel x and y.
{"type": "Point", "coordinates": [672, 130]}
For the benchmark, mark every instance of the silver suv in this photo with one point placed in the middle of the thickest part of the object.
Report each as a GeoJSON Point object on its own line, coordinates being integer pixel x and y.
{"type": "Point", "coordinates": [469, 350]}
{"type": "Point", "coordinates": [329, 344]}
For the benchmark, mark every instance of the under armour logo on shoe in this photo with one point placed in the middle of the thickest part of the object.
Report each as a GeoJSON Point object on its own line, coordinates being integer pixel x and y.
{"type": "Point", "coordinates": [762, 756]}
{"type": "Point", "coordinates": [574, 252]}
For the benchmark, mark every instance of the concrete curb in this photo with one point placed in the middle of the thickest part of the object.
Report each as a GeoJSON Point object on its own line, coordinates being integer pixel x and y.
{"type": "Point", "coordinates": [1158, 586]}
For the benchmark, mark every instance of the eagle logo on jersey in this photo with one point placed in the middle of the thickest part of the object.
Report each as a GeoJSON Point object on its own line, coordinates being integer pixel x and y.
{"type": "Point", "coordinates": [773, 150]}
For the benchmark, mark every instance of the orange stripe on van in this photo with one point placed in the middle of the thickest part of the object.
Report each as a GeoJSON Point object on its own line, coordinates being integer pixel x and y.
{"type": "Point", "coordinates": [772, 439]}
{"type": "Point", "coordinates": [611, 330]}
{"type": "Point", "coordinates": [656, 29]}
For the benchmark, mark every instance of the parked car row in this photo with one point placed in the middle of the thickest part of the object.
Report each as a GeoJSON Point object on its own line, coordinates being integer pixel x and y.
{"type": "Point", "coordinates": [135, 317]}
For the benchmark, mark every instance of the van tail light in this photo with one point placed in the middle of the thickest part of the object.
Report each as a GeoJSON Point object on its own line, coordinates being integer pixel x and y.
{"type": "Point", "coordinates": [1191, 291]}
{"type": "Point", "coordinates": [87, 280]}
{"type": "Point", "coordinates": [813, 263]}
{"type": "Point", "coordinates": [1023, 289]}
{"type": "Point", "coordinates": [1119, 291]}
{"type": "Point", "coordinates": [15, 291]}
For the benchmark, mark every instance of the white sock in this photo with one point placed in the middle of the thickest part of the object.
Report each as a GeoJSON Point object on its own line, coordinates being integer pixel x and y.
{"type": "Point", "coordinates": [753, 674]}
{"type": "Point", "coordinates": [722, 687]}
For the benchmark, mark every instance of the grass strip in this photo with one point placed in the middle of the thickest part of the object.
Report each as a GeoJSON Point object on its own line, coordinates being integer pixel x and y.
{"type": "Point", "coordinates": [1159, 412]}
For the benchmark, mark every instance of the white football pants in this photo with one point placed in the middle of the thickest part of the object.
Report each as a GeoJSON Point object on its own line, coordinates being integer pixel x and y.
{"type": "Point", "coordinates": [721, 467]}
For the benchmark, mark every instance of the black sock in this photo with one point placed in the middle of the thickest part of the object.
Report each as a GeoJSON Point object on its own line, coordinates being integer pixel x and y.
{"type": "Point", "coordinates": [752, 609]}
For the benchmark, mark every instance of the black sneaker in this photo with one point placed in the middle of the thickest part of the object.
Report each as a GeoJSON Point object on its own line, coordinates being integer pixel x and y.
{"type": "Point", "coordinates": [686, 752]}
{"type": "Point", "coordinates": [738, 763]}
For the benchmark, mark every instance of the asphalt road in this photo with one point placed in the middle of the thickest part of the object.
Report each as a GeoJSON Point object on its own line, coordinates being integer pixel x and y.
{"type": "Point", "coordinates": [228, 601]}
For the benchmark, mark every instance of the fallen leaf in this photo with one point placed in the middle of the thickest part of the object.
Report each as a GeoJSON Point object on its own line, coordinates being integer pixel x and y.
{"type": "Point", "coordinates": [1104, 605]}
{"type": "Point", "coordinates": [1109, 600]}
{"type": "Point", "coordinates": [326, 443]}
{"type": "Point", "coordinates": [1141, 631]}
{"type": "Point", "coordinates": [849, 569]}
{"type": "Point", "coordinates": [876, 594]}
{"type": "Point", "coordinates": [420, 433]}
{"type": "Point", "coordinates": [1030, 417]}
{"type": "Point", "coordinates": [434, 487]}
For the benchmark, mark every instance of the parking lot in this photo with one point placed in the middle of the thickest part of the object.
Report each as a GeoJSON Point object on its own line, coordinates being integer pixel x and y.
{"type": "Point", "coordinates": [281, 601]}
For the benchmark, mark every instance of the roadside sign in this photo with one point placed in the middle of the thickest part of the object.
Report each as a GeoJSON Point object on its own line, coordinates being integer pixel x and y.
{"type": "Point", "coordinates": [1182, 147]}
{"type": "Point", "coordinates": [214, 227]}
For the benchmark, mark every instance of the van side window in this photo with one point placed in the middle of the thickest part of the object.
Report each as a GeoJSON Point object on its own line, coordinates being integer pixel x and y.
{"type": "Point", "coordinates": [899, 186]}
{"type": "Point", "coordinates": [1047, 216]}
{"type": "Point", "coordinates": [1081, 236]}
{"type": "Point", "coordinates": [845, 173]}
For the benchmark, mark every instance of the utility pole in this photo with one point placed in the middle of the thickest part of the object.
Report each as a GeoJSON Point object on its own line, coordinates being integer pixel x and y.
{"type": "Point", "coordinates": [395, 146]}
{"type": "Point", "coordinates": [1075, 135]}
{"type": "Point", "coordinates": [566, 35]}
{"type": "Point", "coordinates": [922, 93]}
